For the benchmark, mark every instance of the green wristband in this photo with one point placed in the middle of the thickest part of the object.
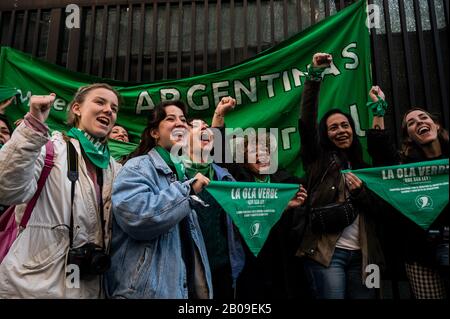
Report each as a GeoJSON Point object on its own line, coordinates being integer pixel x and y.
{"type": "Point", "coordinates": [378, 108]}
{"type": "Point", "coordinates": [315, 73]}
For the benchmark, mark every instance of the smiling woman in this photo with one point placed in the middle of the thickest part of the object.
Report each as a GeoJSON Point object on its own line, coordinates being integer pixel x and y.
{"type": "Point", "coordinates": [334, 255]}
{"type": "Point", "coordinates": [158, 249]}
{"type": "Point", "coordinates": [76, 196]}
{"type": "Point", "coordinates": [422, 133]}
{"type": "Point", "coordinates": [94, 109]}
{"type": "Point", "coordinates": [118, 133]}
{"type": "Point", "coordinates": [424, 253]}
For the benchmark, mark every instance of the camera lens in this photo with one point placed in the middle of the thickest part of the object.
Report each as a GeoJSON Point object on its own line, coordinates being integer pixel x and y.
{"type": "Point", "coordinates": [100, 263]}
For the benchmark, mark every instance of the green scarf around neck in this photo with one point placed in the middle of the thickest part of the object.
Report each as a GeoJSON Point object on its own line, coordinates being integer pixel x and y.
{"type": "Point", "coordinates": [97, 152]}
{"type": "Point", "coordinates": [166, 156]}
{"type": "Point", "coordinates": [192, 168]}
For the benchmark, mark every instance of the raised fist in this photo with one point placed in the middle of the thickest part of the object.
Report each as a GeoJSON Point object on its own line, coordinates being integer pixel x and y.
{"type": "Point", "coordinates": [225, 105]}
{"type": "Point", "coordinates": [322, 60]}
{"type": "Point", "coordinates": [374, 92]}
{"type": "Point", "coordinates": [40, 106]}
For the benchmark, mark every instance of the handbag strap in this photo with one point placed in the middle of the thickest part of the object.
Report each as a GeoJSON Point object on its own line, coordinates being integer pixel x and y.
{"type": "Point", "coordinates": [48, 165]}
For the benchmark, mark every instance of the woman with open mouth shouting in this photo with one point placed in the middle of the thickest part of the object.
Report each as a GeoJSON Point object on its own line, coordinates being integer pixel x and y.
{"type": "Point", "coordinates": [424, 253]}
{"type": "Point", "coordinates": [158, 249]}
{"type": "Point", "coordinates": [222, 241]}
{"type": "Point", "coordinates": [63, 251]}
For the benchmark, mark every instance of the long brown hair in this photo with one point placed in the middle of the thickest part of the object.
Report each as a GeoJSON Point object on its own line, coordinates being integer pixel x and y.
{"type": "Point", "coordinates": [156, 116]}
{"type": "Point", "coordinates": [409, 147]}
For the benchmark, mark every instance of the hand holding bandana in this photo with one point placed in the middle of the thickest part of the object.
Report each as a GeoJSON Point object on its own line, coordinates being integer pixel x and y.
{"type": "Point", "coordinates": [418, 190]}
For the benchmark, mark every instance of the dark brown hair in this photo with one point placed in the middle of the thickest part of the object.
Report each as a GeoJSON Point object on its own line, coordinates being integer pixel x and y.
{"type": "Point", "coordinates": [156, 116]}
{"type": "Point", "coordinates": [409, 147]}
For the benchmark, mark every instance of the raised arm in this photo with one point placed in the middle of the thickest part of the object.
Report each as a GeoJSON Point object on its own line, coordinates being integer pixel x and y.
{"type": "Point", "coordinates": [379, 141]}
{"type": "Point", "coordinates": [225, 105]}
{"type": "Point", "coordinates": [308, 127]}
{"type": "Point", "coordinates": [22, 157]}
{"type": "Point", "coordinates": [377, 97]}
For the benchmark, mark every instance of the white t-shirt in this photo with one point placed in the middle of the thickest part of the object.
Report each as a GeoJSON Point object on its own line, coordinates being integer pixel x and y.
{"type": "Point", "coordinates": [350, 236]}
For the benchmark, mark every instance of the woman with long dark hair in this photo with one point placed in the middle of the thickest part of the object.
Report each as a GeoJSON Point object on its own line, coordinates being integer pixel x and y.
{"type": "Point", "coordinates": [423, 252]}
{"type": "Point", "coordinates": [158, 249]}
{"type": "Point", "coordinates": [339, 241]}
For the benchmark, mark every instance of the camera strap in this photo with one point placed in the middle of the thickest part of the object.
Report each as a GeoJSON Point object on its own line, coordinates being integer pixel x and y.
{"type": "Point", "coordinates": [99, 172]}
{"type": "Point", "coordinates": [72, 174]}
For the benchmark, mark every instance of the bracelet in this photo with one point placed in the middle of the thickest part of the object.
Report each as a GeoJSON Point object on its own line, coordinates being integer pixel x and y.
{"type": "Point", "coordinates": [218, 114]}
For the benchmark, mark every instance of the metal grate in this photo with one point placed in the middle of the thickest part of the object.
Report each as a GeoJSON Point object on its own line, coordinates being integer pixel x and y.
{"type": "Point", "coordinates": [142, 41]}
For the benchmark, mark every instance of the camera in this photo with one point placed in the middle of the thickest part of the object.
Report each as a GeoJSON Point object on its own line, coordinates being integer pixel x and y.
{"type": "Point", "coordinates": [90, 258]}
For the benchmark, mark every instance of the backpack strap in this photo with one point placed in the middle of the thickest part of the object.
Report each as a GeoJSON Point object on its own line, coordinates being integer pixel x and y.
{"type": "Point", "coordinates": [72, 175]}
{"type": "Point", "coordinates": [48, 165]}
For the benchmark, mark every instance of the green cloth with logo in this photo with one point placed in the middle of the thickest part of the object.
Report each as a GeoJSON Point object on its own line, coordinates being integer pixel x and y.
{"type": "Point", "coordinates": [253, 207]}
{"type": "Point", "coordinates": [418, 190]}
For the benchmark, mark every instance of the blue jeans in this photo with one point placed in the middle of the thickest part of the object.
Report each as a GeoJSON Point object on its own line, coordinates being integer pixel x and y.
{"type": "Point", "coordinates": [341, 280]}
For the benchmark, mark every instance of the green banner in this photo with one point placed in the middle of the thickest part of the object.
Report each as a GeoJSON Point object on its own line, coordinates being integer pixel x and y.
{"type": "Point", "coordinates": [267, 87]}
{"type": "Point", "coordinates": [419, 190]}
{"type": "Point", "coordinates": [7, 93]}
{"type": "Point", "coordinates": [253, 207]}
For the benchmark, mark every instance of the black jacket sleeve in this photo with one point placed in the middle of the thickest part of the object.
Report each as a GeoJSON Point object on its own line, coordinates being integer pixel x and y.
{"type": "Point", "coordinates": [307, 125]}
{"type": "Point", "coordinates": [381, 148]}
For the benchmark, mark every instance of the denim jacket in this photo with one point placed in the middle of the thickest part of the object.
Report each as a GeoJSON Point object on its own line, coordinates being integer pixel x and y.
{"type": "Point", "coordinates": [148, 204]}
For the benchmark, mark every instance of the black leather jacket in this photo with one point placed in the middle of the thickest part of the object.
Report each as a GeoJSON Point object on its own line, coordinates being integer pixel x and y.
{"type": "Point", "coordinates": [325, 185]}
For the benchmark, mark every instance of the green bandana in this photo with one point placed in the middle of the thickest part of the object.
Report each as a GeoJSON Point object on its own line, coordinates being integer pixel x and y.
{"type": "Point", "coordinates": [193, 168]}
{"type": "Point", "coordinates": [315, 73]}
{"type": "Point", "coordinates": [120, 149]}
{"type": "Point", "coordinates": [265, 180]}
{"type": "Point", "coordinates": [253, 207]}
{"type": "Point", "coordinates": [97, 152]}
{"type": "Point", "coordinates": [167, 157]}
{"type": "Point", "coordinates": [418, 190]}
{"type": "Point", "coordinates": [378, 108]}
